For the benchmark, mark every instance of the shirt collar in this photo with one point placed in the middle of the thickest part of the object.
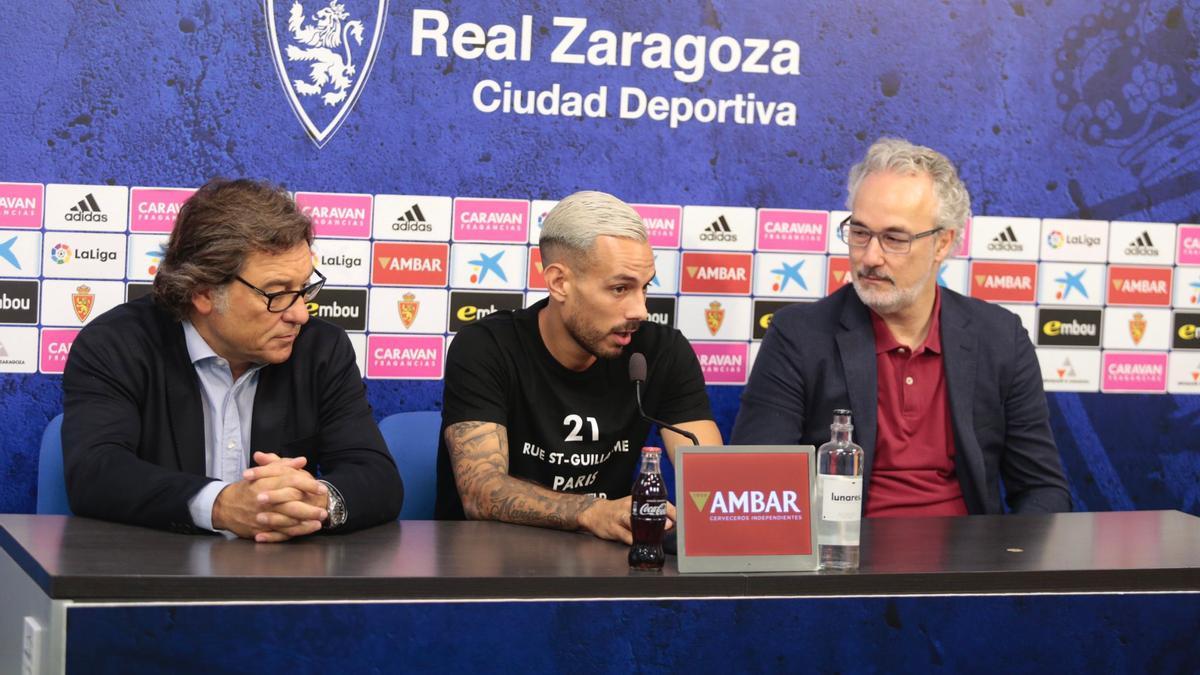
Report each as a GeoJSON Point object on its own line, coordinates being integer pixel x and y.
{"type": "Point", "coordinates": [199, 349]}
{"type": "Point", "coordinates": [886, 342]}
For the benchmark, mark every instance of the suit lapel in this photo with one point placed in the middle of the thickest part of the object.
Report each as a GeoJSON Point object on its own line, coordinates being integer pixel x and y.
{"type": "Point", "coordinates": [960, 356]}
{"type": "Point", "coordinates": [185, 409]}
{"type": "Point", "coordinates": [856, 347]}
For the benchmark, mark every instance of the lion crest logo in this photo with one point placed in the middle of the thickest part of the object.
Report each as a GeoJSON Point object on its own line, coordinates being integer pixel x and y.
{"type": "Point", "coordinates": [323, 58]}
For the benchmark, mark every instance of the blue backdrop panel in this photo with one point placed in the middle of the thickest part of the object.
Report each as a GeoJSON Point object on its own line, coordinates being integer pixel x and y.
{"type": "Point", "coordinates": [1075, 109]}
{"type": "Point", "coordinates": [1135, 633]}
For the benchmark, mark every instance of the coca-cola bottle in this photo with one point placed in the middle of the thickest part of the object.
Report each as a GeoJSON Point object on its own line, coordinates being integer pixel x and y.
{"type": "Point", "coordinates": [648, 514]}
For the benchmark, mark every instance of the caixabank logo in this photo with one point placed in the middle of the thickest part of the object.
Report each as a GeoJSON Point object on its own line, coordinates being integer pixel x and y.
{"type": "Point", "coordinates": [1071, 283]}
{"type": "Point", "coordinates": [467, 307]}
{"type": "Point", "coordinates": [323, 54]}
{"type": "Point", "coordinates": [482, 266]}
{"type": "Point", "coordinates": [21, 205]}
{"type": "Point", "coordinates": [146, 253]}
{"type": "Point", "coordinates": [1187, 287]}
{"type": "Point", "coordinates": [20, 253]}
{"type": "Point", "coordinates": [343, 307]}
{"type": "Point", "coordinates": [412, 217]}
{"type": "Point", "coordinates": [789, 275]}
{"type": "Point", "coordinates": [154, 210]}
{"type": "Point", "coordinates": [1068, 327]}
{"type": "Point", "coordinates": [89, 208]}
{"type": "Point", "coordinates": [410, 264]}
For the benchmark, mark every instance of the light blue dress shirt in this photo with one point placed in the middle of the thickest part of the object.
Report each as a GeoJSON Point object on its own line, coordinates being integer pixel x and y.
{"type": "Point", "coordinates": [228, 408]}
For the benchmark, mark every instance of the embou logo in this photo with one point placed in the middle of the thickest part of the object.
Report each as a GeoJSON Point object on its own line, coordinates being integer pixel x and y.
{"type": "Point", "coordinates": [344, 307]}
{"type": "Point", "coordinates": [1069, 327]}
{"type": "Point", "coordinates": [323, 59]}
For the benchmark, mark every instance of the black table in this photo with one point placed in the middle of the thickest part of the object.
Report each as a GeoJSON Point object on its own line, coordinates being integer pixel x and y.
{"type": "Point", "coordinates": [947, 591]}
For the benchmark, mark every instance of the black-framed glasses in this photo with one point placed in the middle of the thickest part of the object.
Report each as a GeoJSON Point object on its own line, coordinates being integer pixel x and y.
{"type": "Point", "coordinates": [859, 236]}
{"type": "Point", "coordinates": [279, 301]}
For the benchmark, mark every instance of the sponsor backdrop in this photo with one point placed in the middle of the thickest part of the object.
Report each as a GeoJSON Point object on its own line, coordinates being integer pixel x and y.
{"type": "Point", "coordinates": [428, 140]}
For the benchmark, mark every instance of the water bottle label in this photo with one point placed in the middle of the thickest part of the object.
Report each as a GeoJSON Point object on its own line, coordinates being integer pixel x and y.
{"type": "Point", "coordinates": [841, 498]}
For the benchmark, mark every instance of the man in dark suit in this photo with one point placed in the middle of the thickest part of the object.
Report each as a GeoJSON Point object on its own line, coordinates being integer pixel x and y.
{"type": "Point", "coordinates": [216, 403]}
{"type": "Point", "coordinates": [946, 390]}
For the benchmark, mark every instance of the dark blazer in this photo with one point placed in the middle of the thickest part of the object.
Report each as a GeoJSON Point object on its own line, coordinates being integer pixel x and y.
{"type": "Point", "coordinates": [821, 356]}
{"type": "Point", "coordinates": [133, 429]}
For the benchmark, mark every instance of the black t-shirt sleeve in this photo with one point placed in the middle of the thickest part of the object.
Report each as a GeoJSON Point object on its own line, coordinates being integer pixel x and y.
{"type": "Point", "coordinates": [684, 398]}
{"type": "Point", "coordinates": [477, 379]}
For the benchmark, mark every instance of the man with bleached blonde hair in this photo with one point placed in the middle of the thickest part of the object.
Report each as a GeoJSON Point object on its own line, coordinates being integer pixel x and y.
{"type": "Point", "coordinates": [539, 424]}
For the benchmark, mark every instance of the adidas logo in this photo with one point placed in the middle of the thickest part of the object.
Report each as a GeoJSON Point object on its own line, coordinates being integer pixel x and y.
{"type": "Point", "coordinates": [1005, 241]}
{"type": "Point", "coordinates": [86, 211]}
{"type": "Point", "coordinates": [412, 220]}
{"type": "Point", "coordinates": [1142, 246]}
{"type": "Point", "coordinates": [718, 230]}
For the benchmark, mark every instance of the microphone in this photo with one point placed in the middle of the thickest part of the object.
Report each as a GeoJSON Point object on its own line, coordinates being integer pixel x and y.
{"type": "Point", "coordinates": [637, 373]}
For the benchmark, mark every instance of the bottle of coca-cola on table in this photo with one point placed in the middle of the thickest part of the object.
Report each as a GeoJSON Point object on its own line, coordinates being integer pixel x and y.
{"type": "Point", "coordinates": [649, 514]}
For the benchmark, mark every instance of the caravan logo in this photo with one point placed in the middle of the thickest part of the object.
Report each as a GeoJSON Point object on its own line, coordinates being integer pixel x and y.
{"type": "Point", "coordinates": [664, 224]}
{"type": "Point", "coordinates": [337, 215]}
{"type": "Point", "coordinates": [155, 209]}
{"type": "Point", "coordinates": [723, 362]}
{"type": "Point", "coordinates": [491, 220]}
{"type": "Point", "coordinates": [1134, 372]}
{"type": "Point", "coordinates": [323, 56]}
{"type": "Point", "coordinates": [21, 205]}
{"type": "Point", "coordinates": [411, 357]}
{"type": "Point", "coordinates": [790, 230]}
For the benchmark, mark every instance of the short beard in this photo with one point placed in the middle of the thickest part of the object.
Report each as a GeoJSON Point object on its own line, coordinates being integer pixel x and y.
{"type": "Point", "coordinates": [591, 339]}
{"type": "Point", "coordinates": [888, 301]}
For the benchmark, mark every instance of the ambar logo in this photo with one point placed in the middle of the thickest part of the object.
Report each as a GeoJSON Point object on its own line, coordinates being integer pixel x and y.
{"type": "Point", "coordinates": [536, 277]}
{"type": "Point", "coordinates": [839, 274]}
{"type": "Point", "coordinates": [748, 504]}
{"type": "Point", "coordinates": [410, 264]}
{"type": "Point", "coordinates": [1069, 327]}
{"type": "Point", "coordinates": [344, 307]}
{"type": "Point", "coordinates": [722, 273]}
{"type": "Point", "coordinates": [1139, 285]}
{"type": "Point", "coordinates": [467, 307]}
{"type": "Point", "coordinates": [1185, 333]}
{"type": "Point", "coordinates": [1003, 281]}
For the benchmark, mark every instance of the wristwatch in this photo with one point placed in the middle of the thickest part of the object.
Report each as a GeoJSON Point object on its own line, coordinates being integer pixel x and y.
{"type": "Point", "coordinates": [337, 508]}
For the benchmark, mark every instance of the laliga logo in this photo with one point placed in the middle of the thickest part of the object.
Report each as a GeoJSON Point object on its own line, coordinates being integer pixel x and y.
{"type": "Point", "coordinates": [327, 63]}
{"type": "Point", "coordinates": [1055, 239]}
{"type": "Point", "coordinates": [61, 254]}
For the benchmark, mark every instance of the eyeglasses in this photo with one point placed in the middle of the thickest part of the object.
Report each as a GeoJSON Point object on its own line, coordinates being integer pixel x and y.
{"type": "Point", "coordinates": [279, 301]}
{"type": "Point", "coordinates": [860, 236]}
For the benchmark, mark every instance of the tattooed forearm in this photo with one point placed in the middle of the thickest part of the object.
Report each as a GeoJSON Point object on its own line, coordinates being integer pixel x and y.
{"type": "Point", "coordinates": [479, 457]}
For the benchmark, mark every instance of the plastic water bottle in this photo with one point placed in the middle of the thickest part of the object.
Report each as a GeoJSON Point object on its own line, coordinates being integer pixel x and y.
{"type": "Point", "coordinates": [840, 484]}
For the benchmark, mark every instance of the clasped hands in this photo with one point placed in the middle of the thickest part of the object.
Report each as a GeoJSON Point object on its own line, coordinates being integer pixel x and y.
{"type": "Point", "coordinates": [275, 501]}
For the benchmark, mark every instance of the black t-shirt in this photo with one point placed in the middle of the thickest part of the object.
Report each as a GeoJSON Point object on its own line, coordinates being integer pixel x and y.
{"type": "Point", "coordinates": [569, 431]}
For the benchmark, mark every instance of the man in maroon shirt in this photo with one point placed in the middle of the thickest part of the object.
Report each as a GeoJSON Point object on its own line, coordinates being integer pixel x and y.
{"type": "Point", "coordinates": [946, 390]}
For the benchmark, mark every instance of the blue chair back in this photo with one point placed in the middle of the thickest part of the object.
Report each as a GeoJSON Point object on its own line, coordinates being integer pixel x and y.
{"type": "Point", "coordinates": [412, 437]}
{"type": "Point", "coordinates": [52, 485]}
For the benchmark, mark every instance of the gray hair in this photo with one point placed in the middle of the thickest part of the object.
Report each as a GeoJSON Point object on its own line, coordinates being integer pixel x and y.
{"type": "Point", "coordinates": [571, 227]}
{"type": "Point", "coordinates": [899, 156]}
